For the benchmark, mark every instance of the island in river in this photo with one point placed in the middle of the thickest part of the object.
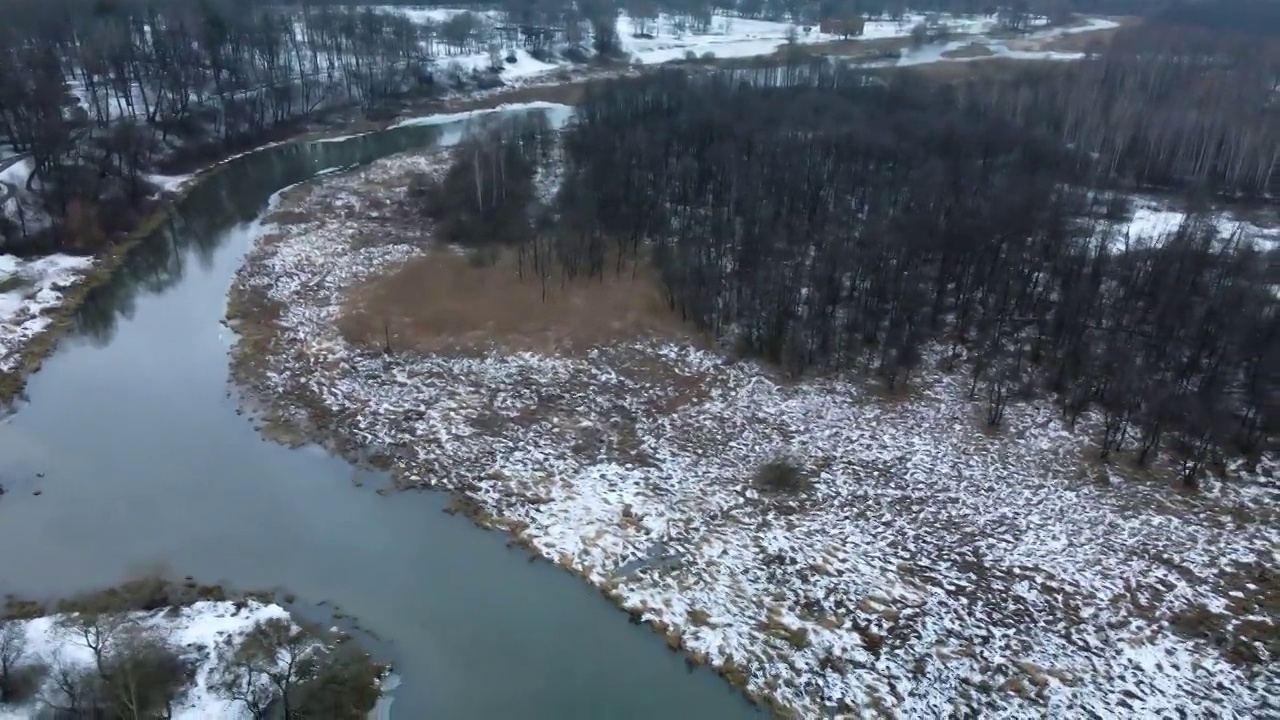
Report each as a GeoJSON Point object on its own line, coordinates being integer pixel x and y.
{"type": "Point", "coordinates": [791, 534]}
{"type": "Point", "coordinates": [151, 647]}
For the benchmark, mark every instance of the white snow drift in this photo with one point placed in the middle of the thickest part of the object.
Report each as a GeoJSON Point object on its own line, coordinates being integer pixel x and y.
{"type": "Point", "coordinates": [29, 289]}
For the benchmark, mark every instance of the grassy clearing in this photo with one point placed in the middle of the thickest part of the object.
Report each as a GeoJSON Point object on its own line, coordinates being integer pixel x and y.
{"type": "Point", "coordinates": [444, 302]}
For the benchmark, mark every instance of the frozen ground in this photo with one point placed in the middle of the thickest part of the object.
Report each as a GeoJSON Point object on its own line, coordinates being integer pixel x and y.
{"type": "Point", "coordinates": [171, 183]}
{"type": "Point", "coordinates": [28, 290]}
{"type": "Point", "coordinates": [935, 53]}
{"type": "Point", "coordinates": [1151, 218]}
{"type": "Point", "coordinates": [525, 66]}
{"type": "Point", "coordinates": [727, 38]}
{"type": "Point", "coordinates": [926, 568]}
{"type": "Point", "coordinates": [732, 37]}
{"type": "Point", "coordinates": [666, 39]}
{"type": "Point", "coordinates": [198, 630]}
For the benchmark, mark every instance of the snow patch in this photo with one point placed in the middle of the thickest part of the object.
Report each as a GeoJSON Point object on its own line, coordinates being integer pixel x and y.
{"type": "Point", "coordinates": [558, 113]}
{"type": "Point", "coordinates": [1152, 219]}
{"type": "Point", "coordinates": [29, 290]}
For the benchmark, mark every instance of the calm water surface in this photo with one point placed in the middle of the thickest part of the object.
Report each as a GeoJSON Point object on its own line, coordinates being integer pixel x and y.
{"type": "Point", "coordinates": [142, 462]}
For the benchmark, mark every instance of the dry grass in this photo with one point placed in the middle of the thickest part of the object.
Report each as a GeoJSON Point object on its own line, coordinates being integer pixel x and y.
{"type": "Point", "coordinates": [444, 302]}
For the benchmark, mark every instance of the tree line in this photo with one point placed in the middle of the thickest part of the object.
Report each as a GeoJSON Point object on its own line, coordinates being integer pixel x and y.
{"type": "Point", "coordinates": [99, 94]}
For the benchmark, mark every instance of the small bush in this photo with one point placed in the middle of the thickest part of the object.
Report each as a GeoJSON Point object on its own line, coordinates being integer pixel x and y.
{"type": "Point", "coordinates": [690, 55]}
{"type": "Point", "coordinates": [575, 54]}
{"type": "Point", "coordinates": [708, 55]}
{"type": "Point", "coordinates": [781, 476]}
{"type": "Point", "coordinates": [22, 683]}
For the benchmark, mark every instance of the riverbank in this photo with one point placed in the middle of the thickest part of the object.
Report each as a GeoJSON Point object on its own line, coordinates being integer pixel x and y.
{"type": "Point", "coordinates": [189, 650]}
{"type": "Point", "coordinates": [822, 546]}
{"type": "Point", "coordinates": [53, 318]}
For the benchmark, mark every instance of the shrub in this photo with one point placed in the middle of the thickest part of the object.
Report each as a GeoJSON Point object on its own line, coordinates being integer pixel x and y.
{"type": "Point", "coordinates": [281, 668]}
{"type": "Point", "coordinates": [18, 680]}
{"type": "Point", "coordinates": [781, 476]}
{"type": "Point", "coordinates": [135, 671]}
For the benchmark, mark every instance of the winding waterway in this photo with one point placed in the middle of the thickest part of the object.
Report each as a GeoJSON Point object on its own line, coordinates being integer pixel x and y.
{"type": "Point", "coordinates": [141, 461]}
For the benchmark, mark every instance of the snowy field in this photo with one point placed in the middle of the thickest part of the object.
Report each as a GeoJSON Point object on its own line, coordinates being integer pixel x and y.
{"type": "Point", "coordinates": [935, 53]}
{"type": "Point", "coordinates": [925, 567]}
{"type": "Point", "coordinates": [727, 38]}
{"type": "Point", "coordinates": [666, 39]}
{"type": "Point", "coordinates": [199, 630]}
{"type": "Point", "coordinates": [29, 289]}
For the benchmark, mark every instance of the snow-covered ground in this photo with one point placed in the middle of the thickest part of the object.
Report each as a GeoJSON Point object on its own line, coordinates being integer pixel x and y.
{"type": "Point", "coordinates": [525, 65]}
{"type": "Point", "coordinates": [28, 290]}
{"type": "Point", "coordinates": [1013, 50]}
{"type": "Point", "coordinates": [172, 183]}
{"type": "Point", "coordinates": [198, 630]}
{"type": "Point", "coordinates": [666, 38]}
{"type": "Point", "coordinates": [927, 568]}
{"type": "Point", "coordinates": [727, 38]}
{"type": "Point", "coordinates": [1152, 219]}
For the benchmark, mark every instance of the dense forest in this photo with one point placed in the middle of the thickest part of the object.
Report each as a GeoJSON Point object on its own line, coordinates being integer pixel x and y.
{"type": "Point", "coordinates": [101, 93]}
{"type": "Point", "coordinates": [1165, 106]}
{"type": "Point", "coordinates": [834, 220]}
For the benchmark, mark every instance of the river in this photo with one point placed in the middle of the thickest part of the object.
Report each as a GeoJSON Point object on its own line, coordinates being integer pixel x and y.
{"type": "Point", "coordinates": [134, 443]}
